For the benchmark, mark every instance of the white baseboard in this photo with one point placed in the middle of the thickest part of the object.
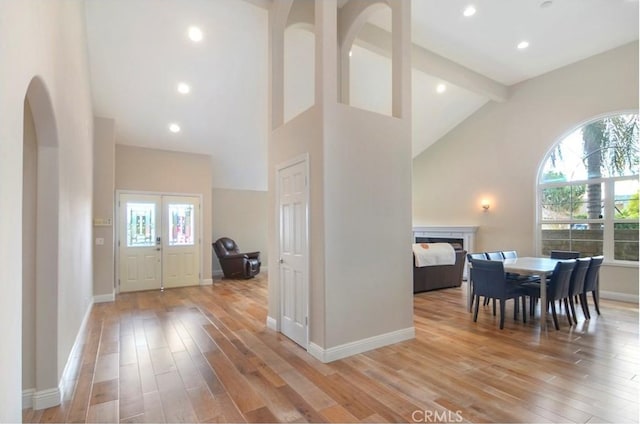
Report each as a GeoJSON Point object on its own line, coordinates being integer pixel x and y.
{"type": "Point", "coordinates": [53, 397]}
{"type": "Point", "coordinates": [359, 346]}
{"type": "Point", "coordinates": [207, 282]}
{"type": "Point", "coordinates": [621, 297]}
{"type": "Point", "coordinates": [273, 324]}
{"type": "Point", "coordinates": [46, 398]}
{"type": "Point", "coordinates": [103, 298]}
{"type": "Point", "coordinates": [27, 398]}
{"type": "Point", "coordinates": [75, 351]}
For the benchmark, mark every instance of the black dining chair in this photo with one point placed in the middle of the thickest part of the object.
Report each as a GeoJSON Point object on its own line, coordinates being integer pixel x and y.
{"type": "Point", "coordinates": [591, 285]}
{"type": "Point", "coordinates": [509, 254]}
{"type": "Point", "coordinates": [576, 286]}
{"type": "Point", "coordinates": [564, 254]}
{"type": "Point", "coordinates": [494, 256]}
{"type": "Point", "coordinates": [489, 281]}
{"type": "Point", "coordinates": [470, 257]}
{"type": "Point", "coordinates": [557, 287]}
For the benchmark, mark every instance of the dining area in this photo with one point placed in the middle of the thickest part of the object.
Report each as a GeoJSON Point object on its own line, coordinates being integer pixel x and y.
{"type": "Point", "coordinates": [558, 284]}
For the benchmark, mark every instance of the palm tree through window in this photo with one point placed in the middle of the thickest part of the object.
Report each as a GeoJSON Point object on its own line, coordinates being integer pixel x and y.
{"type": "Point", "coordinates": [588, 191]}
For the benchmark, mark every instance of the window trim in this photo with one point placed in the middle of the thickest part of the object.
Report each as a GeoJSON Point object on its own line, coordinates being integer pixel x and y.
{"type": "Point", "coordinates": [608, 183]}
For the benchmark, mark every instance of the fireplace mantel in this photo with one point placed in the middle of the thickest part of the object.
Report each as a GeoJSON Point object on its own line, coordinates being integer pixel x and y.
{"type": "Point", "coordinates": [447, 229]}
{"type": "Point", "coordinates": [465, 232]}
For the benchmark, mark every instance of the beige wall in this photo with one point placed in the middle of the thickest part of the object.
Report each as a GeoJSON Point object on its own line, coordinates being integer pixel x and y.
{"type": "Point", "coordinates": [242, 216]}
{"type": "Point", "coordinates": [496, 153]}
{"type": "Point", "coordinates": [45, 39]}
{"type": "Point", "coordinates": [163, 171]}
{"type": "Point", "coordinates": [103, 207]}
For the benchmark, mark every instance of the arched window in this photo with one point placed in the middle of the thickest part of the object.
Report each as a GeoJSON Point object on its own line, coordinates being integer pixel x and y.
{"type": "Point", "coordinates": [588, 191]}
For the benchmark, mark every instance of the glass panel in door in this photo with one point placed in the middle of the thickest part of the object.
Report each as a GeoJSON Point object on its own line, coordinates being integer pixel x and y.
{"type": "Point", "coordinates": [181, 250]}
{"type": "Point", "coordinates": [140, 250]}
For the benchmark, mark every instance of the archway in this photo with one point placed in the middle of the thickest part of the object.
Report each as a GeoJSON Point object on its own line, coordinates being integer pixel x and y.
{"type": "Point", "coordinates": [40, 250]}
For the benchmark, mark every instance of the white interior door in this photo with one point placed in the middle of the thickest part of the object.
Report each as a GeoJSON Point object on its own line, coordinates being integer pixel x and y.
{"type": "Point", "coordinates": [294, 279]}
{"type": "Point", "coordinates": [159, 241]}
{"type": "Point", "coordinates": [181, 241]}
{"type": "Point", "coordinates": [140, 242]}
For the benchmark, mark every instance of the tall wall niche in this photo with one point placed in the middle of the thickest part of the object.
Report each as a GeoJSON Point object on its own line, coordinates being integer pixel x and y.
{"type": "Point", "coordinates": [299, 59]}
{"type": "Point", "coordinates": [366, 56]}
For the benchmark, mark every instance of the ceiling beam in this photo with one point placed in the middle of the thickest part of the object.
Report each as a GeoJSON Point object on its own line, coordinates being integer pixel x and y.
{"type": "Point", "coordinates": [265, 4]}
{"type": "Point", "coordinates": [378, 40]}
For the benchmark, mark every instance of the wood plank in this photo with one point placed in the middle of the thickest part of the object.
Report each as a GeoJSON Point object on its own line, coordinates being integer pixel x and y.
{"type": "Point", "coordinates": [153, 412]}
{"type": "Point", "coordinates": [205, 406]}
{"type": "Point", "coordinates": [147, 375]}
{"type": "Point", "coordinates": [234, 383]}
{"type": "Point", "coordinates": [104, 391]}
{"type": "Point", "coordinates": [338, 414]}
{"type": "Point", "coordinates": [131, 400]}
{"type": "Point", "coordinates": [105, 412]}
{"type": "Point", "coordinates": [175, 401]}
{"type": "Point", "coordinates": [260, 415]}
{"type": "Point", "coordinates": [107, 367]}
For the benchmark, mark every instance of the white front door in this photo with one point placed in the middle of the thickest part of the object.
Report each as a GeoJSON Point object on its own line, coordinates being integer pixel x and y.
{"type": "Point", "coordinates": [294, 278]}
{"type": "Point", "coordinates": [180, 249]}
{"type": "Point", "coordinates": [140, 242]}
{"type": "Point", "coordinates": [159, 241]}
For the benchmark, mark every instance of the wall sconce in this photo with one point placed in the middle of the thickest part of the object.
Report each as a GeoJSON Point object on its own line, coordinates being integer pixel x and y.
{"type": "Point", "coordinates": [485, 205]}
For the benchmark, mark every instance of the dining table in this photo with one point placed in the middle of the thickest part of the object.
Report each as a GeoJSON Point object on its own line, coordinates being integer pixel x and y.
{"type": "Point", "coordinates": [530, 265]}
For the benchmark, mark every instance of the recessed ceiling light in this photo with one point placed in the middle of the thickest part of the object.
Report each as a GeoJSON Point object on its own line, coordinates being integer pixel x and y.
{"type": "Point", "coordinates": [174, 128]}
{"type": "Point", "coordinates": [183, 88]}
{"type": "Point", "coordinates": [546, 4]}
{"type": "Point", "coordinates": [441, 88]}
{"type": "Point", "coordinates": [523, 45]}
{"type": "Point", "coordinates": [195, 34]}
{"type": "Point", "coordinates": [469, 11]}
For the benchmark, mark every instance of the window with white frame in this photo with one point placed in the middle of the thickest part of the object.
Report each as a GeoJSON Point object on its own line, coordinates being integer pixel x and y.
{"type": "Point", "coordinates": [588, 191]}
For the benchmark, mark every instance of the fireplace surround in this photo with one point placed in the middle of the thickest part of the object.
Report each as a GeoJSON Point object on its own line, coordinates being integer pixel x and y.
{"type": "Point", "coordinates": [464, 234]}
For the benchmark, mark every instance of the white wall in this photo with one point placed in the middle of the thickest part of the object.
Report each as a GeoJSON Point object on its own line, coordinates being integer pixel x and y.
{"type": "Point", "coordinates": [370, 81]}
{"type": "Point", "coordinates": [496, 153]}
{"type": "Point", "coordinates": [103, 207]}
{"type": "Point", "coordinates": [29, 204]}
{"type": "Point", "coordinates": [299, 71]}
{"type": "Point", "coordinates": [367, 177]}
{"type": "Point", "coordinates": [47, 39]}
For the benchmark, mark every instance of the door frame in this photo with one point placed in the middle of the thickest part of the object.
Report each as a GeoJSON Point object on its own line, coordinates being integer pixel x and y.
{"type": "Point", "coordinates": [303, 158]}
{"type": "Point", "coordinates": [116, 229]}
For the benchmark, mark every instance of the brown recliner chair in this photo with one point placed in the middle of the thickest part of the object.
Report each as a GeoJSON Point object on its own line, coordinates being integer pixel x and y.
{"type": "Point", "coordinates": [234, 263]}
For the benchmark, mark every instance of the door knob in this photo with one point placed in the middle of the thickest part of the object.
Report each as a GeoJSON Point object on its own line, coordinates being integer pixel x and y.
{"type": "Point", "coordinates": [281, 260]}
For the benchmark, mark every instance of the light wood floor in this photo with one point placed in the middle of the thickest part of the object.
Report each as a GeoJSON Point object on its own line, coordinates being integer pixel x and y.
{"type": "Point", "coordinates": [203, 354]}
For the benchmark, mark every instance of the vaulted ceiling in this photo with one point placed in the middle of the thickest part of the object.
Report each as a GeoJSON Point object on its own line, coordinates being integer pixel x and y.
{"type": "Point", "coordinates": [139, 52]}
